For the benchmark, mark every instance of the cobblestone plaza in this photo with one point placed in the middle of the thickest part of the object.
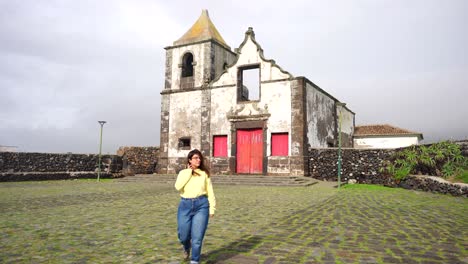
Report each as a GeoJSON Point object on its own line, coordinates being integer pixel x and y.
{"type": "Point", "coordinates": [135, 222]}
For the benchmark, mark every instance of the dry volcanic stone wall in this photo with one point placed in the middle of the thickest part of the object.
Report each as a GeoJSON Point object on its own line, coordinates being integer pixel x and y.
{"type": "Point", "coordinates": [363, 165]}
{"type": "Point", "coordinates": [18, 166]}
{"type": "Point", "coordinates": [463, 147]}
{"type": "Point", "coordinates": [433, 184]}
{"type": "Point", "coordinates": [138, 160]}
{"type": "Point", "coordinates": [360, 164]}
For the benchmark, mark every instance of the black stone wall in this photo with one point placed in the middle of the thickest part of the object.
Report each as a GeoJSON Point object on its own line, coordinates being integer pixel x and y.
{"type": "Point", "coordinates": [433, 184]}
{"type": "Point", "coordinates": [52, 162]}
{"type": "Point", "coordinates": [360, 164]}
{"type": "Point", "coordinates": [52, 166]}
{"type": "Point", "coordinates": [363, 165]}
{"type": "Point", "coordinates": [139, 160]}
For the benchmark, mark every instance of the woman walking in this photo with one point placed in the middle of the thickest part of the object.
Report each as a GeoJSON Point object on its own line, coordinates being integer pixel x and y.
{"type": "Point", "coordinates": [197, 203]}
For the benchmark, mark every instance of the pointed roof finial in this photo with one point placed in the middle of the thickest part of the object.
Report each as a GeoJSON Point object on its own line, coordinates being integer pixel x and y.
{"type": "Point", "coordinates": [203, 29]}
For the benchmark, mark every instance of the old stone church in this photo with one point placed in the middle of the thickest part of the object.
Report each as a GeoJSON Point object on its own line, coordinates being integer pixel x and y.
{"type": "Point", "coordinates": [244, 112]}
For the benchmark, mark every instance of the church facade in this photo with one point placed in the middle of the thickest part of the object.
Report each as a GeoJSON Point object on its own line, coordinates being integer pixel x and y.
{"type": "Point", "coordinates": [244, 112]}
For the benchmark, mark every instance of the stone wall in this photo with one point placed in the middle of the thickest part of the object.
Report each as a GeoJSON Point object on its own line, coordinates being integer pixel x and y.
{"type": "Point", "coordinates": [220, 165]}
{"type": "Point", "coordinates": [463, 146]}
{"type": "Point", "coordinates": [18, 166]}
{"type": "Point", "coordinates": [363, 165]}
{"type": "Point", "coordinates": [55, 162]}
{"type": "Point", "coordinates": [360, 164]}
{"type": "Point", "coordinates": [48, 176]}
{"type": "Point", "coordinates": [139, 160]}
{"type": "Point", "coordinates": [433, 184]}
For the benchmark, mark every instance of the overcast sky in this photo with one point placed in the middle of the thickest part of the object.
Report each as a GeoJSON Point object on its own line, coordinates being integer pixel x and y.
{"type": "Point", "coordinates": [66, 64]}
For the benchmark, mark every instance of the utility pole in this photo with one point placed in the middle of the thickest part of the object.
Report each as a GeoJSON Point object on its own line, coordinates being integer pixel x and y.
{"type": "Point", "coordinates": [341, 105]}
{"type": "Point", "coordinates": [100, 149]}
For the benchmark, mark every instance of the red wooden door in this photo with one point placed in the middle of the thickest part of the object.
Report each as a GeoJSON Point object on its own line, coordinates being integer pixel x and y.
{"type": "Point", "coordinates": [250, 151]}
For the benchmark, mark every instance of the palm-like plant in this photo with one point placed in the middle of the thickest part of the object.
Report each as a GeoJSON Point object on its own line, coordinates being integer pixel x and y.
{"type": "Point", "coordinates": [441, 158]}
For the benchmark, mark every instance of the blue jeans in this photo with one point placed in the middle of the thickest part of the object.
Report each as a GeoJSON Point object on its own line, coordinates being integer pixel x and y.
{"type": "Point", "coordinates": [192, 221]}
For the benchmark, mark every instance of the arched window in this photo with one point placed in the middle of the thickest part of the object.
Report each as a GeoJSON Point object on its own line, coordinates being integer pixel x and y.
{"type": "Point", "coordinates": [187, 66]}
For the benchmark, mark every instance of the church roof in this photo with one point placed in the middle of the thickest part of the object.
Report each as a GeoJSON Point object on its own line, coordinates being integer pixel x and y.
{"type": "Point", "coordinates": [382, 130]}
{"type": "Point", "coordinates": [203, 29]}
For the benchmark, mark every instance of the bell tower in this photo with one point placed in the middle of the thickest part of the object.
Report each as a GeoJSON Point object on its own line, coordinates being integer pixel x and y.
{"type": "Point", "coordinates": [192, 62]}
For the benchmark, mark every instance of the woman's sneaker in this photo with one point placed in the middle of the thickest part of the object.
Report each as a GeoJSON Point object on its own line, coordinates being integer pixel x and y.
{"type": "Point", "coordinates": [186, 253]}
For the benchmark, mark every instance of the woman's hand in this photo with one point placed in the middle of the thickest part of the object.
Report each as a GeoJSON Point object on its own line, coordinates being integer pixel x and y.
{"type": "Point", "coordinates": [211, 215]}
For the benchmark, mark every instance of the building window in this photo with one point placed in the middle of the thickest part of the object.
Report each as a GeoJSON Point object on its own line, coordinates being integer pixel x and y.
{"type": "Point", "coordinates": [187, 65]}
{"type": "Point", "coordinates": [248, 83]}
{"type": "Point", "coordinates": [220, 146]}
{"type": "Point", "coordinates": [184, 143]}
{"type": "Point", "coordinates": [279, 144]}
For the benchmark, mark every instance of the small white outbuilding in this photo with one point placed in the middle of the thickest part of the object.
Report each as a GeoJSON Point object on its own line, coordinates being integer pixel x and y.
{"type": "Point", "coordinates": [384, 136]}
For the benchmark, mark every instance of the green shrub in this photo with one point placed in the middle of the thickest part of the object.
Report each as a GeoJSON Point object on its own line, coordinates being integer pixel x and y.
{"type": "Point", "coordinates": [442, 159]}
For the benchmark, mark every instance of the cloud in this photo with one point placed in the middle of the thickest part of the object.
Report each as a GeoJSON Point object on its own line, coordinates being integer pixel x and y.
{"type": "Point", "coordinates": [66, 64]}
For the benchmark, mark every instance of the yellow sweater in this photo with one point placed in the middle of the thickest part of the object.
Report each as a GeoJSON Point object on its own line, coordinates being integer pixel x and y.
{"type": "Point", "coordinates": [192, 187]}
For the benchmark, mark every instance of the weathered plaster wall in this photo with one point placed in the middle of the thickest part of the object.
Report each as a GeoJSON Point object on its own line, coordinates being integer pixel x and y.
{"type": "Point", "coordinates": [385, 142]}
{"type": "Point", "coordinates": [168, 69]}
{"type": "Point", "coordinates": [221, 57]}
{"type": "Point", "coordinates": [347, 126]}
{"type": "Point", "coordinates": [277, 96]}
{"type": "Point", "coordinates": [184, 121]}
{"type": "Point", "coordinates": [222, 101]}
{"type": "Point", "coordinates": [321, 122]}
{"type": "Point", "coordinates": [249, 54]}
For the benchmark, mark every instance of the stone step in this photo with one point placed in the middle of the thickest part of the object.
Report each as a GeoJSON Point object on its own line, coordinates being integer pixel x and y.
{"type": "Point", "coordinates": [254, 180]}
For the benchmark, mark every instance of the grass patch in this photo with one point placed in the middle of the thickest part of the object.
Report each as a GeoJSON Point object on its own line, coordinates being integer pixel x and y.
{"type": "Point", "coordinates": [462, 177]}
{"type": "Point", "coordinates": [366, 187]}
{"type": "Point", "coordinates": [95, 180]}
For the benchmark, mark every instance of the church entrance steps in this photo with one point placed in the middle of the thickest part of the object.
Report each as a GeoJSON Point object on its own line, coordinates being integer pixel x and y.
{"type": "Point", "coordinates": [249, 180]}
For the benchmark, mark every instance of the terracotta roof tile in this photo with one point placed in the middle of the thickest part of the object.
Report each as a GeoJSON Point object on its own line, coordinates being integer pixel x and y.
{"type": "Point", "coordinates": [368, 130]}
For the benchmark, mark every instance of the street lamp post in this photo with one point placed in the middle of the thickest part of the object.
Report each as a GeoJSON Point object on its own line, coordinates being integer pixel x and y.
{"type": "Point", "coordinates": [100, 149]}
{"type": "Point", "coordinates": [339, 142]}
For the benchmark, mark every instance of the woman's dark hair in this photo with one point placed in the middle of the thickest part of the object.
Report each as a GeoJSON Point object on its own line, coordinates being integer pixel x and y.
{"type": "Point", "coordinates": [202, 166]}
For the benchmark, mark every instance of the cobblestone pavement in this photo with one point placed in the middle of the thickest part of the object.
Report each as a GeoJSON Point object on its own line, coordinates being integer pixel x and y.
{"type": "Point", "coordinates": [111, 222]}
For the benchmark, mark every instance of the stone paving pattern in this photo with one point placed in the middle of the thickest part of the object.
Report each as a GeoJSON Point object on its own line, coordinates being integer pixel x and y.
{"type": "Point", "coordinates": [134, 222]}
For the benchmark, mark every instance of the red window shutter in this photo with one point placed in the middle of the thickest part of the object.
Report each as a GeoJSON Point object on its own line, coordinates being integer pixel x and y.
{"type": "Point", "coordinates": [279, 144]}
{"type": "Point", "coordinates": [220, 146]}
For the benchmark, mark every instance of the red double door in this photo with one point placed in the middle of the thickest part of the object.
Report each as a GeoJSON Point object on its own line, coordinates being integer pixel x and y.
{"type": "Point", "coordinates": [249, 151]}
